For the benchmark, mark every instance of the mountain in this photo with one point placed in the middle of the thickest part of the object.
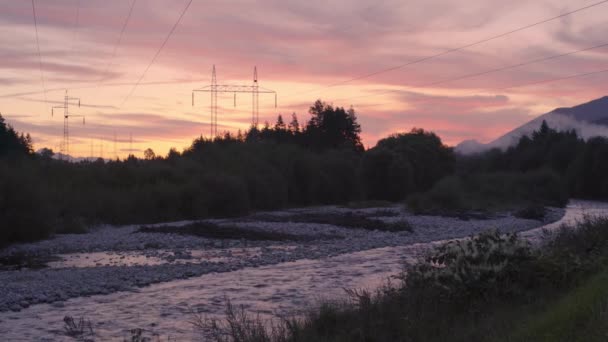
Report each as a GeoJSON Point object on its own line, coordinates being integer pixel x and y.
{"type": "Point", "coordinates": [588, 120]}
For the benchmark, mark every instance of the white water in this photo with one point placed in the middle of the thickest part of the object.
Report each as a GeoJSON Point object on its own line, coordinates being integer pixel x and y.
{"type": "Point", "coordinates": [287, 288]}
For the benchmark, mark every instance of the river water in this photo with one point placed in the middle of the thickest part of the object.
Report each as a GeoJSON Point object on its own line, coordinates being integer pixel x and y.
{"type": "Point", "coordinates": [165, 310]}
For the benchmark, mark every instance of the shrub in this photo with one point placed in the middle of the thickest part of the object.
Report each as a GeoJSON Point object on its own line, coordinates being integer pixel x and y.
{"type": "Point", "coordinates": [490, 192]}
{"type": "Point", "coordinates": [25, 212]}
{"type": "Point", "coordinates": [472, 268]}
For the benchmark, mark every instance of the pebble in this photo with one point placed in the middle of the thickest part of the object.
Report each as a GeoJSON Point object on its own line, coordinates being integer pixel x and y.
{"type": "Point", "coordinates": [20, 289]}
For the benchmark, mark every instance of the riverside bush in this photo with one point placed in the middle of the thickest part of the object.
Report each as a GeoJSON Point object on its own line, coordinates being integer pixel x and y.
{"type": "Point", "coordinates": [481, 289]}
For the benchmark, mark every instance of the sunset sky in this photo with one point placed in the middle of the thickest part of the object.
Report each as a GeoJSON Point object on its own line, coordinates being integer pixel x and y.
{"type": "Point", "coordinates": [303, 50]}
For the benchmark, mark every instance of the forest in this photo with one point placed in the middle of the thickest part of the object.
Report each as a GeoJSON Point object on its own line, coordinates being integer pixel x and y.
{"type": "Point", "coordinates": [285, 165]}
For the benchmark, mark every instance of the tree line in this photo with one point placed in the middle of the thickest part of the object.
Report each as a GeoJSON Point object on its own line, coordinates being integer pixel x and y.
{"type": "Point", "coordinates": [286, 164]}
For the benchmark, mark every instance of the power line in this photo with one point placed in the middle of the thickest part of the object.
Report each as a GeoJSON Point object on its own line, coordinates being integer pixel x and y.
{"type": "Point", "coordinates": [551, 80]}
{"type": "Point", "coordinates": [76, 23]}
{"type": "Point", "coordinates": [122, 31]}
{"type": "Point", "coordinates": [466, 76]}
{"type": "Point", "coordinates": [158, 52]}
{"type": "Point", "coordinates": [556, 79]}
{"type": "Point", "coordinates": [485, 40]}
{"type": "Point", "coordinates": [38, 48]}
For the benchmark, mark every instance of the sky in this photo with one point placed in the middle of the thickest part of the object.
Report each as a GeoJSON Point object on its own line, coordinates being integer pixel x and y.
{"type": "Point", "coordinates": [303, 50]}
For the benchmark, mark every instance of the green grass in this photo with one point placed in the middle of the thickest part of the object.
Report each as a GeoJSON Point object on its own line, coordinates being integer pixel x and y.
{"type": "Point", "coordinates": [580, 315]}
{"type": "Point", "coordinates": [491, 288]}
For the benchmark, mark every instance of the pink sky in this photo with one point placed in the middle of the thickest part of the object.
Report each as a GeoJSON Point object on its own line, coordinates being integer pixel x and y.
{"type": "Point", "coordinates": [299, 47]}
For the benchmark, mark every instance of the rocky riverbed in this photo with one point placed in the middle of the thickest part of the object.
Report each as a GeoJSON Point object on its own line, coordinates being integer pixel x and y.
{"type": "Point", "coordinates": [105, 274]}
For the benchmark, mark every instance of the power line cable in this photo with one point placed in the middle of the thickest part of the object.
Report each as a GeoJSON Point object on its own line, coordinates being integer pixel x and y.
{"type": "Point", "coordinates": [551, 80]}
{"type": "Point", "coordinates": [38, 48]}
{"type": "Point", "coordinates": [486, 72]}
{"type": "Point", "coordinates": [423, 59]}
{"type": "Point", "coordinates": [556, 79]}
{"type": "Point", "coordinates": [122, 32]}
{"type": "Point", "coordinates": [158, 52]}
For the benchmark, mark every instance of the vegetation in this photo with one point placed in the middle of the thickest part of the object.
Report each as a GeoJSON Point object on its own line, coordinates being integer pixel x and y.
{"type": "Point", "coordinates": [321, 162]}
{"type": "Point", "coordinates": [542, 170]}
{"type": "Point", "coordinates": [268, 168]}
{"type": "Point", "coordinates": [80, 330]}
{"type": "Point", "coordinates": [487, 288]}
{"type": "Point", "coordinates": [459, 194]}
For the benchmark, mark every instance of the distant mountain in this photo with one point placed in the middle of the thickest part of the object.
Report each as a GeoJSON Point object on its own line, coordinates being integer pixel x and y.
{"type": "Point", "coordinates": [61, 156]}
{"type": "Point", "coordinates": [588, 120]}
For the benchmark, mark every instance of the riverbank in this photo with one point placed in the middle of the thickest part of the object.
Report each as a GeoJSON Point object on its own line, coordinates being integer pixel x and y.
{"type": "Point", "coordinates": [278, 276]}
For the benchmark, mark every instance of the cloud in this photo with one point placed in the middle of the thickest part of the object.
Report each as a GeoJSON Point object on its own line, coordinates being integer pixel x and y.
{"type": "Point", "coordinates": [301, 46]}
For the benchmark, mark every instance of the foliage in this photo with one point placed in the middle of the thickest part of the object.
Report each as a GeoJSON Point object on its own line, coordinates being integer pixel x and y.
{"type": "Point", "coordinates": [487, 288]}
{"type": "Point", "coordinates": [470, 269]}
{"type": "Point", "coordinates": [491, 191]}
{"type": "Point", "coordinates": [405, 163]}
{"type": "Point", "coordinates": [80, 330]}
{"type": "Point", "coordinates": [12, 143]}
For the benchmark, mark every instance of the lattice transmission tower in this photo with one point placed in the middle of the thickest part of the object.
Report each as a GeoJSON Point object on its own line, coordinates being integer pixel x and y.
{"type": "Point", "coordinates": [214, 88]}
{"type": "Point", "coordinates": [65, 145]}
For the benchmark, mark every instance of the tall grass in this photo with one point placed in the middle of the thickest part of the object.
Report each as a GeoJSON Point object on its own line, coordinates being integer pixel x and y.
{"type": "Point", "coordinates": [487, 288]}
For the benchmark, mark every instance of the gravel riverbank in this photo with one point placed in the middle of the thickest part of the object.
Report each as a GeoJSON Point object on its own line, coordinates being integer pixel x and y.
{"type": "Point", "coordinates": [166, 257]}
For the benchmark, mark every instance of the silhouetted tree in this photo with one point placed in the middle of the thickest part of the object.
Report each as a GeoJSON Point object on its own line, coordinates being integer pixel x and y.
{"type": "Point", "coordinates": [280, 125]}
{"type": "Point", "coordinates": [294, 125]}
{"type": "Point", "coordinates": [331, 127]}
{"type": "Point", "coordinates": [429, 158]}
{"type": "Point", "coordinates": [149, 154]}
{"type": "Point", "coordinates": [12, 143]}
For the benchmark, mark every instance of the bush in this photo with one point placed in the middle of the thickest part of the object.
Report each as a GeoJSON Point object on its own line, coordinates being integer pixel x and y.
{"type": "Point", "coordinates": [486, 288]}
{"type": "Point", "coordinates": [25, 213]}
{"type": "Point", "coordinates": [469, 270]}
{"type": "Point", "coordinates": [490, 192]}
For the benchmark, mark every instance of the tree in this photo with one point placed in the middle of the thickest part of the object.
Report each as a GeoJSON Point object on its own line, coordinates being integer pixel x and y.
{"type": "Point", "coordinates": [12, 143]}
{"type": "Point", "coordinates": [173, 154]}
{"type": "Point", "coordinates": [280, 125]}
{"type": "Point", "coordinates": [149, 154]}
{"type": "Point", "coordinates": [429, 158]}
{"type": "Point", "coordinates": [46, 153]}
{"type": "Point", "coordinates": [331, 127]}
{"type": "Point", "coordinates": [294, 125]}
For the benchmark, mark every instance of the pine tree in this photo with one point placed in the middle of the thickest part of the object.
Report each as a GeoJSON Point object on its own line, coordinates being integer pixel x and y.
{"type": "Point", "coordinates": [294, 125]}
{"type": "Point", "coordinates": [279, 125]}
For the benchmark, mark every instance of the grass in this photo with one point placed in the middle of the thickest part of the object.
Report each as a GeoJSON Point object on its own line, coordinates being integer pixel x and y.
{"type": "Point", "coordinates": [345, 220]}
{"type": "Point", "coordinates": [489, 288]}
{"type": "Point", "coordinates": [78, 329]}
{"type": "Point", "coordinates": [215, 231]}
{"type": "Point", "coordinates": [580, 315]}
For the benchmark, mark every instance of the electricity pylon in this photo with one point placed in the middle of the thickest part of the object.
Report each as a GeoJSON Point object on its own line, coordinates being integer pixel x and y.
{"type": "Point", "coordinates": [65, 145]}
{"type": "Point", "coordinates": [255, 90]}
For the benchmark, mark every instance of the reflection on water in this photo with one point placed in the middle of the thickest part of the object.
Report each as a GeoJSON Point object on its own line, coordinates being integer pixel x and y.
{"type": "Point", "coordinates": [286, 288]}
{"type": "Point", "coordinates": [576, 211]}
{"type": "Point", "coordinates": [166, 308]}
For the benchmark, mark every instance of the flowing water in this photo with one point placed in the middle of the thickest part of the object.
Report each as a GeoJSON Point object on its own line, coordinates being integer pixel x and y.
{"type": "Point", "coordinates": [166, 309]}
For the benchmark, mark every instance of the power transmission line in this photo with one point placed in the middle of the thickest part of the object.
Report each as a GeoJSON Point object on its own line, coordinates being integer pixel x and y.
{"type": "Point", "coordinates": [423, 59]}
{"type": "Point", "coordinates": [38, 48]}
{"type": "Point", "coordinates": [76, 23]}
{"type": "Point", "coordinates": [122, 31]}
{"type": "Point", "coordinates": [556, 79]}
{"type": "Point", "coordinates": [158, 52]}
{"type": "Point", "coordinates": [551, 80]}
{"type": "Point", "coordinates": [466, 76]}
